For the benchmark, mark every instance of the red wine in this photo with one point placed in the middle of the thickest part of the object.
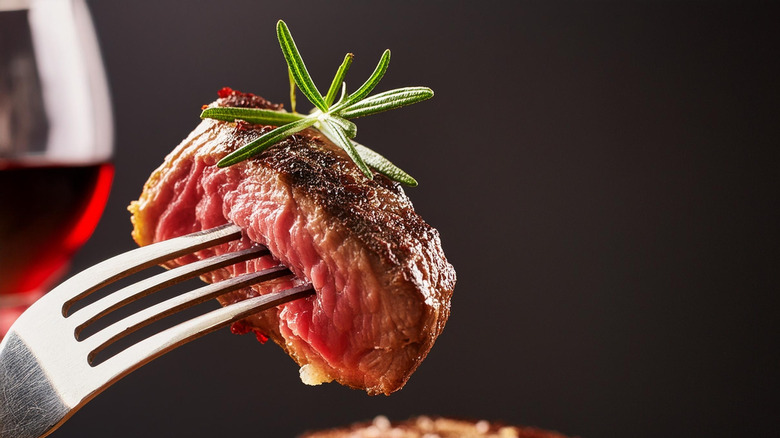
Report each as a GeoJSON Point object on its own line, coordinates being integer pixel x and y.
{"type": "Point", "coordinates": [46, 213]}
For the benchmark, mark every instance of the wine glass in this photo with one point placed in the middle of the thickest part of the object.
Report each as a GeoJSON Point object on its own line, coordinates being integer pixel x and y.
{"type": "Point", "coordinates": [56, 140]}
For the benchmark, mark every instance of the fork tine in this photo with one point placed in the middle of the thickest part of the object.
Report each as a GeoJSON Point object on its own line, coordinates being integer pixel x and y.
{"type": "Point", "coordinates": [46, 371]}
{"type": "Point", "coordinates": [137, 355]}
{"type": "Point", "coordinates": [85, 316]}
{"type": "Point", "coordinates": [138, 259]}
{"type": "Point", "coordinates": [120, 329]}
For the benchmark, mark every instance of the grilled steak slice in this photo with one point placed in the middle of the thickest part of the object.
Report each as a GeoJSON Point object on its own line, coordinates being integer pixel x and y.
{"type": "Point", "coordinates": [383, 284]}
{"type": "Point", "coordinates": [424, 427]}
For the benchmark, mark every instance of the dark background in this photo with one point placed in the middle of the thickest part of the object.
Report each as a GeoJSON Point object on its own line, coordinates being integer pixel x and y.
{"type": "Point", "coordinates": [602, 175]}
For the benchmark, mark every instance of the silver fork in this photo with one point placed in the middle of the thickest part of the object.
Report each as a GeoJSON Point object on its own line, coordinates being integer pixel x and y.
{"type": "Point", "coordinates": [47, 372]}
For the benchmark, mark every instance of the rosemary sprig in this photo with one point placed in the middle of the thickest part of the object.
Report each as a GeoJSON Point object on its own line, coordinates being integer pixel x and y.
{"type": "Point", "coordinates": [329, 117]}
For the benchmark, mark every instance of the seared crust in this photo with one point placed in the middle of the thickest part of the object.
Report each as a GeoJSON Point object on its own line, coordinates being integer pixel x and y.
{"type": "Point", "coordinates": [310, 163]}
{"type": "Point", "coordinates": [376, 212]}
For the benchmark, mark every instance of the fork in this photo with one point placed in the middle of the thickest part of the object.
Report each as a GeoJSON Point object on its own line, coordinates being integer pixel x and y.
{"type": "Point", "coordinates": [48, 372]}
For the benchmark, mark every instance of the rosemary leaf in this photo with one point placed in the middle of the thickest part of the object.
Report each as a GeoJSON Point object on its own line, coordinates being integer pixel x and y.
{"type": "Point", "coordinates": [338, 80]}
{"type": "Point", "coordinates": [371, 82]}
{"type": "Point", "coordinates": [386, 101]}
{"type": "Point", "coordinates": [350, 129]}
{"type": "Point", "coordinates": [334, 132]}
{"type": "Point", "coordinates": [251, 115]}
{"type": "Point", "coordinates": [292, 90]}
{"type": "Point", "coordinates": [297, 67]}
{"type": "Point", "coordinates": [343, 94]}
{"type": "Point", "coordinates": [265, 141]}
{"type": "Point", "coordinates": [384, 166]}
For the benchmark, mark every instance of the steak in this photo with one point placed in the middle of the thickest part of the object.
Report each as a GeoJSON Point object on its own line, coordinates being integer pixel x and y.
{"type": "Point", "coordinates": [383, 285]}
{"type": "Point", "coordinates": [424, 427]}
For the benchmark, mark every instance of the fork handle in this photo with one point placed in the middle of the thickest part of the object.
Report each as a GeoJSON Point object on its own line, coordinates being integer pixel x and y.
{"type": "Point", "coordinates": [29, 387]}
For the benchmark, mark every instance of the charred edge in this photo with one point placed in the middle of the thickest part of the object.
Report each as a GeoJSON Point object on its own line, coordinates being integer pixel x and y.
{"type": "Point", "coordinates": [234, 98]}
